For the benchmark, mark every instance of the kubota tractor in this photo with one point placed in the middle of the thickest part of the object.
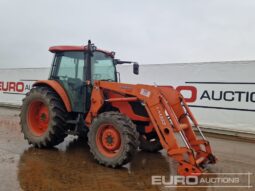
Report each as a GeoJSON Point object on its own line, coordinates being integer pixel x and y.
{"type": "Point", "coordinates": [83, 97]}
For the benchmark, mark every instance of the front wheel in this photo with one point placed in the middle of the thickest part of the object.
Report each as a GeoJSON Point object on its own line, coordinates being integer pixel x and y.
{"type": "Point", "coordinates": [113, 139]}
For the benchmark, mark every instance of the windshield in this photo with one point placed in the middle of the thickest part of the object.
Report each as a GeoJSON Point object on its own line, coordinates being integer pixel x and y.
{"type": "Point", "coordinates": [102, 67]}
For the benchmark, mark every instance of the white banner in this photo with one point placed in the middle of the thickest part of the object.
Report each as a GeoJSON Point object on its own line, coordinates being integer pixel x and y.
{"type": "Point", "coordinates": [15, 83]}
{"type": "Point", "coordinates": [221, 94]}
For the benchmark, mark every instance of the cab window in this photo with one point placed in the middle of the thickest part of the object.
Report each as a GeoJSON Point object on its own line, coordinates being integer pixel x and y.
{"type": "Point", "coordinates": [70, 72]}
{"type": "Point", "coordinates": [102, 67]}
{"type": "Point", "coordinates": [71, 65]}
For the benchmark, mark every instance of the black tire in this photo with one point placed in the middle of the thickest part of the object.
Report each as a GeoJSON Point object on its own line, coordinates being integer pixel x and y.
{"type": "Point", "coordinates": [83, 135]}
{"type": "Point", "coordinates": [56, 128]}
{"type": "Point", "coordinates": [150, 142]}
{"type": "Point", "coordinates": [128, 134]}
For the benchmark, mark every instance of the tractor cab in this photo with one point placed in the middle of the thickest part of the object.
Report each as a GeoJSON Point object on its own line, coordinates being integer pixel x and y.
{"type": "Point", "coordinates": [77, 67]}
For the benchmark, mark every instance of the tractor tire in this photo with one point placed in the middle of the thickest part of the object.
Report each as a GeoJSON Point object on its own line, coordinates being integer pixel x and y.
{"type": "Point", "coordinates": [42, 118]}
{"type": "Point", "coordinates": [113, 139]}
{"type": "Point", "coordinates": [83, 136]}
{"type": "Point", "coordinates": [150, 142]}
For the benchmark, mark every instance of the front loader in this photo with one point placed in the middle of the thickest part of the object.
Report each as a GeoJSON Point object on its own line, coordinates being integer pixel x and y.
{"type": "Point", "coordinates": [84, 97]}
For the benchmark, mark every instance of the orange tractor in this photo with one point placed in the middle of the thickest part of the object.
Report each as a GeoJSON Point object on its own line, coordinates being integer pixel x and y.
{"type": "Point", "coordinates": [84, 97]}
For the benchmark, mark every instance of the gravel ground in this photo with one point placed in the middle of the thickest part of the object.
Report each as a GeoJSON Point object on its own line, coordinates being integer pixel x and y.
{"type": "Point", "coordinates": [71, 167]}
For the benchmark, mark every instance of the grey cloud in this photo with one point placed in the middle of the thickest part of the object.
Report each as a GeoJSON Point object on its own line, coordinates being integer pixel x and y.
{"type": "Point", "coordinates": [147, 31]}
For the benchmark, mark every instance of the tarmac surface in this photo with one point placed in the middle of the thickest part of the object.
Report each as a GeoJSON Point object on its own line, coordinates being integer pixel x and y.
{"type": "Point", "coordinates": [70, 166]}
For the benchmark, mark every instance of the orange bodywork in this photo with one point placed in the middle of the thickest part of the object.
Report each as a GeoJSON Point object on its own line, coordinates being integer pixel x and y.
{"type": "Point", "coordinates": [122, 103]}
{"type": "Point", "coordinates": [168, 115]}
{"type": "Point", "coordinates": [59, 89]}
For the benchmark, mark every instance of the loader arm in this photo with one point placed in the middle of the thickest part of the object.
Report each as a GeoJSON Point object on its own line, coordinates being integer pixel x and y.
{"type": "Point", "coordinates": [171, 118]}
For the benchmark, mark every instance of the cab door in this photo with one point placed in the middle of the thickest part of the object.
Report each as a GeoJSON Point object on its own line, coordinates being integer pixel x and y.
{"type": "Point", "coordinates": [70, 73]}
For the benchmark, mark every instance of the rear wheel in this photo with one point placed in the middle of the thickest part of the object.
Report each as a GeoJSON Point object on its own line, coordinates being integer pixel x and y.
{"type": "Point", "coordinates": [42, 117]}
{"type": "Point", "coordinates": [113, 139]}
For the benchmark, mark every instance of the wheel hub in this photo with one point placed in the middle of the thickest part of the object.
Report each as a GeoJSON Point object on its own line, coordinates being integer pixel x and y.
{"type": "Point", "coordinates": [38, 118]}
{"type": "Point", "coordinates": [43, 117]}
{"type": "Point", "coordinates": [108, 140]}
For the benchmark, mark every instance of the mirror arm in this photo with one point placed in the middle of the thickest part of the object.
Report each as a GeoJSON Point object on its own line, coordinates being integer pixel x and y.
{"type": "Point", "coordinates": [117, 61]}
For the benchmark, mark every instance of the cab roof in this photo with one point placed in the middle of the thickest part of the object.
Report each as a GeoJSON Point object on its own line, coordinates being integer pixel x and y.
{"type": "Point", "coordinates": [55, 49]}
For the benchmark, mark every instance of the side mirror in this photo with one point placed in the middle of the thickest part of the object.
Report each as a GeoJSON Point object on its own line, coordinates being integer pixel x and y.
{"type": "Point", "coordinates": [136, 68]}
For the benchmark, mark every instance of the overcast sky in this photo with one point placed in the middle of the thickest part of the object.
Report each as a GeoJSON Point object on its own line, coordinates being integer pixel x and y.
{"type": "Point", "coordinates": [147, 31]}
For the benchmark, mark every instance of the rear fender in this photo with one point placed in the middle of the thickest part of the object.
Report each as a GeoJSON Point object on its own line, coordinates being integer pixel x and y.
{"type": "Point", "coordinates": [58, 89]}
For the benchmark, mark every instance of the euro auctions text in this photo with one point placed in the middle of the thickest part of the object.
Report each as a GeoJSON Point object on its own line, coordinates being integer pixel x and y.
{"type": "Point", "coordinates": [230, 180]}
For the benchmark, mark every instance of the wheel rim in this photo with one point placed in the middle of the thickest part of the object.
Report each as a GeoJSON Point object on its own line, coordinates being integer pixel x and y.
{"type": "Point", "coordinates": [108, 140]}
{"type": "Point", "coordinates": [38, 118]}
